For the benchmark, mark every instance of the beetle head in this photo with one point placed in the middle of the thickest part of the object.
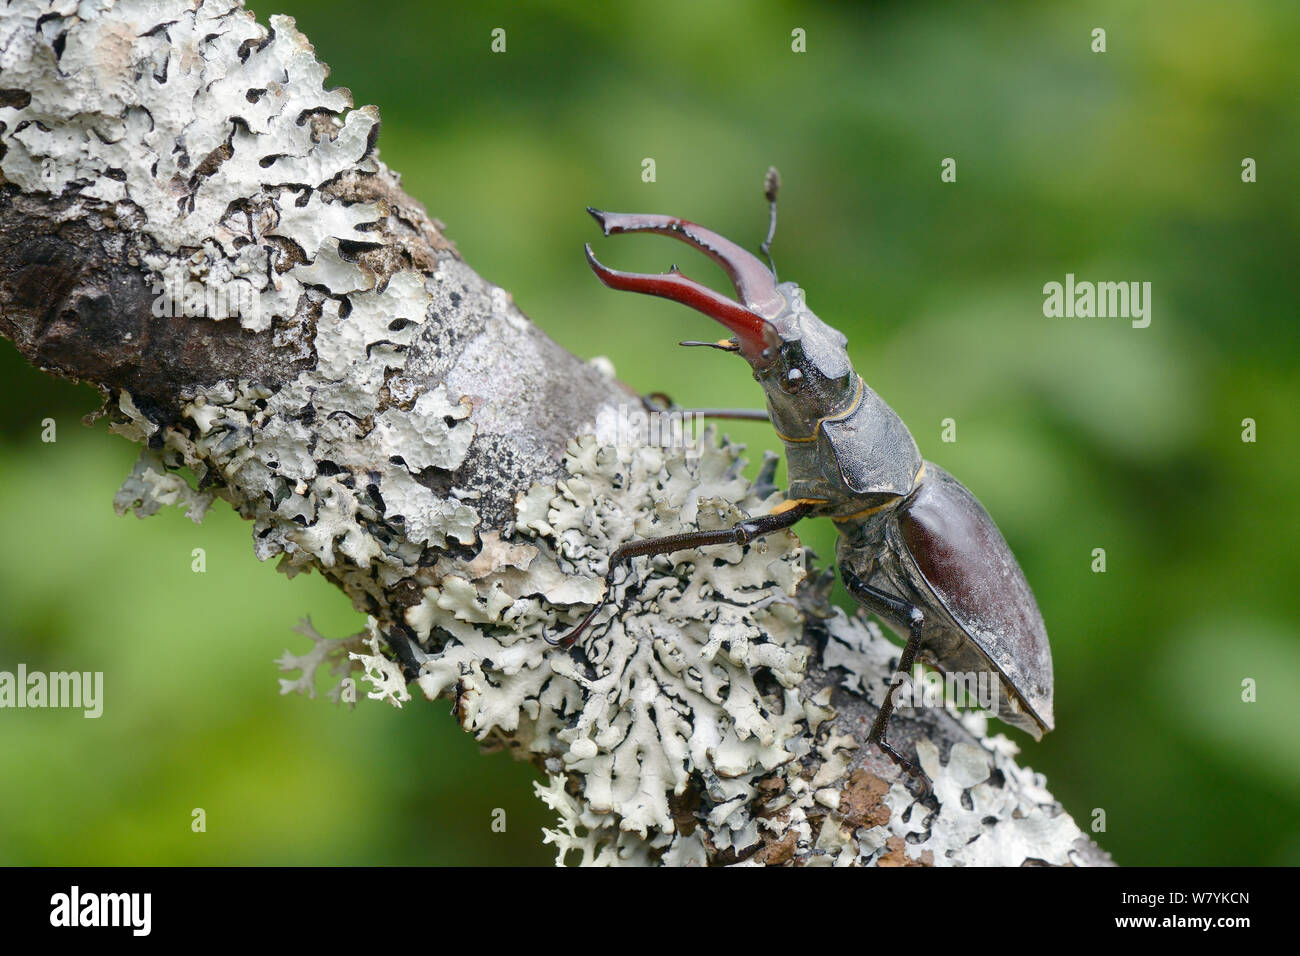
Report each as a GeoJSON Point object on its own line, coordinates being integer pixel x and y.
{"type": "Point", "coordinates": [807, 376]}
{"type": "Point", "coordinates": [801, 362]}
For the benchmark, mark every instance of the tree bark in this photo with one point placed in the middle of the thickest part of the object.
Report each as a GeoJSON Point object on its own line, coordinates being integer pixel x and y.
{"type": "Point", "coordinates": [192, 222]}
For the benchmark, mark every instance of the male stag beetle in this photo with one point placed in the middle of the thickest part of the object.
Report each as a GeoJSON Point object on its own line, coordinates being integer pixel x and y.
{"type": "Point", "coordinates": [915, 547]}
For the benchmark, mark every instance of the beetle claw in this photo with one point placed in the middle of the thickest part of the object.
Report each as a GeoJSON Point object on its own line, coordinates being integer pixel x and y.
{"type": "Point", "coordinates": [752, 331]}
{"type": "Point", "coordinates": [754, 282]}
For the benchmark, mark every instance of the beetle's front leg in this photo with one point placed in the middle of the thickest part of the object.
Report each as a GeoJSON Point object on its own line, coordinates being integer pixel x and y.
{"type": "Point", "coordinates": [895, 609]}
{"type": "Point", "coordinates": [783, 516]}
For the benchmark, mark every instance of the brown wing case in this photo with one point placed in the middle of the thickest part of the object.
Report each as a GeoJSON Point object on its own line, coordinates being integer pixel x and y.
{"type": "Point", "coordinates": [967, 564]}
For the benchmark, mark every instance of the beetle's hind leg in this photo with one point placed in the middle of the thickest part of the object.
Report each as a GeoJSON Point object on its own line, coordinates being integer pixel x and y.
{"type": "Point", "coordinates": [746, 531]}
{"type": "Point", "coordinates": [894, 609]}
{"type": "Point", "coordinates": [567, 639]}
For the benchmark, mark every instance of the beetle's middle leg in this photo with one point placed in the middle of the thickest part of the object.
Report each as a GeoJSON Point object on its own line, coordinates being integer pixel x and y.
{"type": "Point", "coordinates": [895, 609]}
{"type": "Point", "coordinates": [660, 402]}
{"type": "Point", "coordinates": [746, 531]}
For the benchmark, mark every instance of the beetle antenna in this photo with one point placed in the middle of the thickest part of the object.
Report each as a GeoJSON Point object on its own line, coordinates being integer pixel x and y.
{"type": "Point", "coordinates": [722, 345]}
{"type": "Point", "coordinates": [771, 186]}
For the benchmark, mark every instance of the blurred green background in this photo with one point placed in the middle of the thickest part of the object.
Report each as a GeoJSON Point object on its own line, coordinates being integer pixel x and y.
{"type": "Point", "coordinates": [1076, 434]}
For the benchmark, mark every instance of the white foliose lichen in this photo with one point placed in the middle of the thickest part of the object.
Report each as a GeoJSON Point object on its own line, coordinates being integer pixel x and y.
{"type": "Point", "coordinates": [216, 140]}
{"type": "Point", "coordinates": [337, 653]}
{"type": "Point", "coordinates": [133, 107]}
{"type": "Point", "coordinates": [830, 809]}
{"type": "Point", "coordinates": [691, 668]}
{"type": "Point", "coordinates": [982, 809]}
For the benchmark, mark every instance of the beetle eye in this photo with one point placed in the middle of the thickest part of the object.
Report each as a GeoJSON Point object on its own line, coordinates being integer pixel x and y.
{"type": "Point", "coordinates": [793, 381]}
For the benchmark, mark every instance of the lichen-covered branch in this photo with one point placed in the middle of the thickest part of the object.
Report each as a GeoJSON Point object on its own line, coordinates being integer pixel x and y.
{"type": "Point", "coordinates": [191, 221]}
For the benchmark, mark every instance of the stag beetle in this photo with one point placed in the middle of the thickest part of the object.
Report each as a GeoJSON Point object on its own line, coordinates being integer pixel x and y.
{"type": "Point", "coordinates": [915, 547]}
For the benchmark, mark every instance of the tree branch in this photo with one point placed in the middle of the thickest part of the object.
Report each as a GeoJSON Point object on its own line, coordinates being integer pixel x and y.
{"type": "Point", "coordinates": [192, 222]}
